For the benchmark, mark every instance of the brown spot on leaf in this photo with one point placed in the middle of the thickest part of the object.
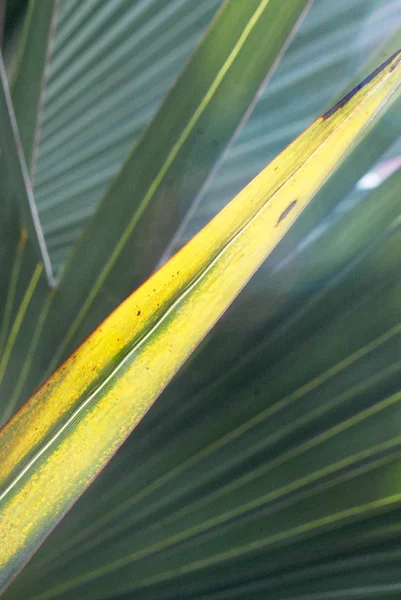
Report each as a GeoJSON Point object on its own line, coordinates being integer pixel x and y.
{"type": "Point", "coordinates": [286, 212]}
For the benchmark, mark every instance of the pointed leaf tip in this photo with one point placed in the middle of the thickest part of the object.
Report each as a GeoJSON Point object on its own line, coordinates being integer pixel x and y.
{"type": "Point", "coordinates": [394, 60]}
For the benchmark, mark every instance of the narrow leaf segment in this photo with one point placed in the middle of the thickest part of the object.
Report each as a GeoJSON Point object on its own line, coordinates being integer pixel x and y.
{"type": "Point", "coordinates": [58, 442]}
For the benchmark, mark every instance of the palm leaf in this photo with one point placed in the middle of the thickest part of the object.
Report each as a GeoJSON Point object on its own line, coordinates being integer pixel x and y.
{"type": "Point", "coordinates": [297, 490]}
{"type": "Point", "coordinates": [73, 407]}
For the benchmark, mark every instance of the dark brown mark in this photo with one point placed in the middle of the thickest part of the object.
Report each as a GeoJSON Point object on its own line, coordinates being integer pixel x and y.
{"type": "Point", "coordinates": [356, 89]}
{"type": "Point", "coordinates": [286, 212]}
{"type": "Point", "coordinates": [138, 313]}
{"type": "Point", "coordinates": [395, 65]}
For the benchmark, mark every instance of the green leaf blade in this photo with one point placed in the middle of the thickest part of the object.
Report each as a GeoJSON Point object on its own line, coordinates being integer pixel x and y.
{"type": "Point", "coordinates": [28, 81]}
{"type": "Point", "coordinates": [18, 184]}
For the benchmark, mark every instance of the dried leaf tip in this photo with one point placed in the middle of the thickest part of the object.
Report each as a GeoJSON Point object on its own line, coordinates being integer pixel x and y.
{"type": "Point", "coordinates": [347, 97]}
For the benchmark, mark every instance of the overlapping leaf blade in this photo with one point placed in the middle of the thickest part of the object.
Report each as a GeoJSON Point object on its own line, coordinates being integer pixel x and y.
{"type": "Point", "coordinates": [17, 177]}
{"type": "Point", "coordinates": [25, 265]}
{"type": "Point", "coordinates": [29, 75]}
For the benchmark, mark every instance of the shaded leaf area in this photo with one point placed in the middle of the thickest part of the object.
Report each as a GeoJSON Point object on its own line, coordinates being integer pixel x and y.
{"type": "Point", "coordinates": [24, 263]}
{"type": "Point", "coordinates": [14, 14]}
{"type": "Point", "coordinates": [29, 77]}
{"type": "Point", "coordinates": [28, 295]}
{"type": "Point", "coordinates": [113, 64]}
{"type": "Point", "coordinates": [285, 469]}
{"type": "Point", "coordinates": [25, 305]}
{"type": "Point", "coordinates": [17, 186]}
